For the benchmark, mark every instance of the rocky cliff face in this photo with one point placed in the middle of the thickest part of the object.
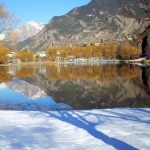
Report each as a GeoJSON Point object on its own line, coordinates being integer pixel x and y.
{"type": "Point", "coordinates": [98, 20]}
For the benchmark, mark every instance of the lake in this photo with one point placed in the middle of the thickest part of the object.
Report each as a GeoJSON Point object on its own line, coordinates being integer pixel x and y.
{"type": "Point", "coordinates": [74, 86]}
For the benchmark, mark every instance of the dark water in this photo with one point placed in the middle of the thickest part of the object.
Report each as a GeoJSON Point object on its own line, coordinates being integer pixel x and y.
{"type": "Point", "coordinates": [82, 86]}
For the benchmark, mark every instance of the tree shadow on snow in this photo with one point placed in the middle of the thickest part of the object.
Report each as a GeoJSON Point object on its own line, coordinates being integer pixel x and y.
{"type": "Point", "coordinates": [129, 117]}
{"type": "Point", "coordinates": [79, 121]}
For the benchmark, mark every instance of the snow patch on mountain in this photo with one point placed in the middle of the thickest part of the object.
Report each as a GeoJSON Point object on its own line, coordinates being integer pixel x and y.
{"type": "Point", "coordinates": [3, 86]}
{"type": "Point", "coordinates": [29, 90]}
{"type": "Point", "coordinates": [29, 29]}
{"type": "Point", "coordinates": [2, 36]}
{"type": "Point", "coordinates": [12, 100]}
{"type": "Point", "coordinates": [38, 94]}
{"type": "Point", "coordinates": [38, 26]}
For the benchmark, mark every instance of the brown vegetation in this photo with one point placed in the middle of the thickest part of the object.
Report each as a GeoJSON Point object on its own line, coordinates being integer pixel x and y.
{"type": "Point", "coordinates": [109, 50]}
{"type": "Point", "coordinates": [3, 53]}
{"type": "Point", "coordinates": [127, 52]}
{"type": "Point", "coordinates": [25, 56]}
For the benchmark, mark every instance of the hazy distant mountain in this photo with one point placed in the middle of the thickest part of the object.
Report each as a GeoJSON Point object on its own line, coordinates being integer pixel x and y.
{"type": "Point", "coordinates": [22, 95]}
{"type": "Point", "coordinates": [27, 89]}
{"type": "Point", "coordinates": [2, 86]}
{"type": "Point", "coordinates": [2, 36]}
{"type": "Point", "coordinates": [29, 29]}
{"type": "Point", "coordinates": [100, 19]}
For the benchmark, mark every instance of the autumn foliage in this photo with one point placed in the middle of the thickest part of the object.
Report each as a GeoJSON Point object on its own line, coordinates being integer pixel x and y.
{"type": "Point", "coordinates": [109, 50]}
{"type": "Point", "coordinates": [4, 50]}
{"type": "Point", "coordinates": [129, 52]}
{"type": "Point", "coordinates": [25, 56]}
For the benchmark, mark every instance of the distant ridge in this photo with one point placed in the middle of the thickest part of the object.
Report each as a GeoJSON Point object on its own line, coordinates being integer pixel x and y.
{"type": "Point", "coordinates": [98, 20]}
{"type": "Point", "coordinates": [26, 31]}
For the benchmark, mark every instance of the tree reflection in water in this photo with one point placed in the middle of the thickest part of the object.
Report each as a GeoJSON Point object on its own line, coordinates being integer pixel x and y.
{"type": "Point", "coordinates": [85, 86]}
{"type": "Point", "coordinates": [66, 72]}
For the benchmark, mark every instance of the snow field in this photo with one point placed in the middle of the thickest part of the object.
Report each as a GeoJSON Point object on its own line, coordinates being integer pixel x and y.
{"type": "Point", "coordinates": [107, 129]}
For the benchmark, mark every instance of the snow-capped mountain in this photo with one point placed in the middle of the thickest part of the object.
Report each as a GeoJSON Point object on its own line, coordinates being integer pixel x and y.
{"type": "Point", "coordinates": [12, 100]}
{"type": "Point", "coordinates": [2, 36]}
{"type": "Point", "coordinates": [20, 86]}
{"type": "Point", "coordinates": [21, 95]}
{"type": "Point", "coordinates": [2, 86]}
{"type": "Point", "coordinates": [29, 29]}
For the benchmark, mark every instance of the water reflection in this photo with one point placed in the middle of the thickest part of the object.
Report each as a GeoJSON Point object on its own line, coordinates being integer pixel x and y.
{"type": "Point", "coordinates": [101, 72]}
{"type": "Point", "coordinates": [81, 86]}
{"type": "Point", "coordinates": [4, 75]}
{"type": "Point", "coordinates": [67, 72]}
{"type": "Point", "coordinates": [11, 100]}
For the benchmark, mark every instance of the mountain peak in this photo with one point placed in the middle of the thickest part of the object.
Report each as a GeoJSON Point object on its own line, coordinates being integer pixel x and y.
{"type": "Point", "coordinates": [3, 86]}
{"type": "Point", "coordinates": [29, 29]}
{"type": "Point", "coordinates": [2, 36]}
{"type": "Point", "coordinates": [98, 20]}
{"type": "Point", "coordinates": [38, 25]}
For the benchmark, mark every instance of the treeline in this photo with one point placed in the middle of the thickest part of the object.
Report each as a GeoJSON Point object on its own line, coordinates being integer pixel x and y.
{"type": "Point", "coordinates": [67, 52]}
{"type": "Point", "coordinates": [23, 56]}
{"type": "Point", "coordinates": [109, 50]}
{"type": "Point", "coordinates": [4, 50]}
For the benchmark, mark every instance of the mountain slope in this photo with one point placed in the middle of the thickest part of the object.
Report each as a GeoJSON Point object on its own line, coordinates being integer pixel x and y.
{"type": "Point", "coordinates": [2, 36]}
{"type": "Point", "coordinates": [87, 24]}
{"type": "Point", "coordinates": [88, 94]}
{"type": "Point", "coordinates": [29, 29]}
{"type": "Point", "coordinates": [31, 91]}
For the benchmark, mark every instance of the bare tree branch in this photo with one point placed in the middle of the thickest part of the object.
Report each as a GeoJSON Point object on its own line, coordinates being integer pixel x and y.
{"type": "Point", "coordinates": [7, 20]}
{"type": "Point", "coordinates": [142, 35]}
{"type": "Point", "coordinates": [142, 7]}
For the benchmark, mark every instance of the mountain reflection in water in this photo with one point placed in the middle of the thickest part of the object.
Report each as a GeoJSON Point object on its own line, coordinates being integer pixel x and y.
{"type": "Point", "coordinates": [79, 86]}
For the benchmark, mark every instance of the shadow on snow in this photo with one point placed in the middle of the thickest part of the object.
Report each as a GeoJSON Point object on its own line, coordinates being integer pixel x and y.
{"type": "Point", "coordinates": [79, 121]}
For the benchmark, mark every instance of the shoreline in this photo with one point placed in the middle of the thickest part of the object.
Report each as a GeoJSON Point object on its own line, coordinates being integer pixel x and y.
{"type": "Point", "coordinates": [144, 62]}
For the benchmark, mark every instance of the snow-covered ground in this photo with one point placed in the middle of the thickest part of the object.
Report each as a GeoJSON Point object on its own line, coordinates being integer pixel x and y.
{"type": "Point", "coordinates": [108, 129]}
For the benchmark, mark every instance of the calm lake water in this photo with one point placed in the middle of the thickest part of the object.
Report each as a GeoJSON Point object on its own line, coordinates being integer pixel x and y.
{"type": "Point", "coordinates": [66, 86]}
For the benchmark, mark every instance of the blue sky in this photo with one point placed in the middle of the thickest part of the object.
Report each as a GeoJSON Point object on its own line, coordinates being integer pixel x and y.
{"type": "Point", "coordinates": [40, 10]}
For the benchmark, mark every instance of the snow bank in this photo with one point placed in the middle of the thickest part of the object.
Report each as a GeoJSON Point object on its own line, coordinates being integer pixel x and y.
{"type": "Point", "coordinates": [122, 129]}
